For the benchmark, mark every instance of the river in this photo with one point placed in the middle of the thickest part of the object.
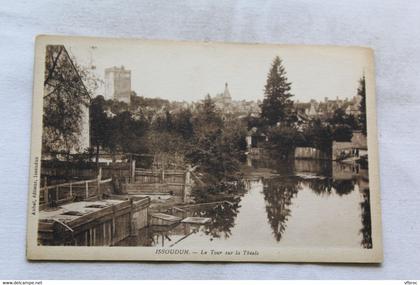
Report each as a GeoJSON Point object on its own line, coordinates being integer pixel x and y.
{"type": "Point", "coordinates": [295, 204]}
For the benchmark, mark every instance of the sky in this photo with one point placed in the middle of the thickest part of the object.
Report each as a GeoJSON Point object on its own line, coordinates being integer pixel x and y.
{"type": "Point", "coordinates": [187, 71]}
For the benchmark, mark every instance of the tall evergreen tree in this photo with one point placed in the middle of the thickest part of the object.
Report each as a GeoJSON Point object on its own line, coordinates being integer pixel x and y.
{"type": "Point", "coordinates": [276, 106]}
{"type": "Point", "coordinates": [361, 91]}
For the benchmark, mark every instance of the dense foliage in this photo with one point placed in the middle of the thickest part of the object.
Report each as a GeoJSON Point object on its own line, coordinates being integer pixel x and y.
{"type": "Point", "coordinates": [201, 137]}
{"type": "Point", "coordinates": [65, 99]}
{"type": "Point", "coordinates": [361, 91]}
{"type": "Point", "coordinates": [280, 122]}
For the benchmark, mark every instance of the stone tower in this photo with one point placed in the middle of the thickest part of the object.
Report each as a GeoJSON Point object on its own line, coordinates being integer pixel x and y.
{"type": "Point", "coordinates": [118, 84]}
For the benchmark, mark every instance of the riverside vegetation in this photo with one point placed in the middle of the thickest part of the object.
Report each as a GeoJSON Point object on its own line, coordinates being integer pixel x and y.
{"type": "Point", "coordinates": [202, 135]}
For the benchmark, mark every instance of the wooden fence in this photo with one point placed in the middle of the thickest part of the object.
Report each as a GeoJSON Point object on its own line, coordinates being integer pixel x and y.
{"type": "Point", "coordinates": [147, 176]}
{"type": "Point", "coordinates": [158, 181]}
{"type": "Point", "coordinates": [54, 195]}
{"type": "Point", "coordinates": [310, 153]}
{"type": "Point", "coordinates": [52, 171]}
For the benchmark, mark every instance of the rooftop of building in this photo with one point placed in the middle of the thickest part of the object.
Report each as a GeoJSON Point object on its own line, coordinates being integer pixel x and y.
{"type": "Point", "coordinates": [117, 69]}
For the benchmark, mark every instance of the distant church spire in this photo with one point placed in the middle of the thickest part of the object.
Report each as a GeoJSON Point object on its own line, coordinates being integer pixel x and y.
{"type": "Point", "coordinates": [226, 94]}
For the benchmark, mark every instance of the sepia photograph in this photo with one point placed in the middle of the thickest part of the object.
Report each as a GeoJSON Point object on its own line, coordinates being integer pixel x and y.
{"type": "Point", "coordinates": [203, 151]}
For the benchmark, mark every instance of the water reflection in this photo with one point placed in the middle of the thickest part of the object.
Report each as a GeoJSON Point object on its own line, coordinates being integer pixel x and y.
{"type": "Point", "coordinates": [222, 220]}
{"type": "Point", "coordinates": [280, 192]}
{"type": "Point", "coordinates": [320, 186]}
{"type": "Point", "coordinates": [343, 187]}
{"type": "Point", "coordinates": [307, 203]}
{"type": "Point", "coordinates": [366, 220]}
{"type": "Point", "coordinates": [278, 196]}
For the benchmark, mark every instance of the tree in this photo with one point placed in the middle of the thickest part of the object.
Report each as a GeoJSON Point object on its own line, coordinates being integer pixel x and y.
{"type": "Point", "coordinates": [342, 133]}
{"type": "Point", "coordinates": [284, 139]}
{"type": "Point", "coordinates": [99, 125]}
{"type": "Point", "coordinates": [183, 123]}
{"type": "Point", "coordinates": [361, 91]}
{"type": "Point", "coordinates": [66, 100]}
{"type": "Point", "coordinates": [276, 106]}
{"type": "Point", "coordinates": [207, 126]}
{"type": "Point", "coordinates": [319, 135]}
{"type": "Point", "coordinates": [341, 118]}
{"type": "Point", "coordinates": [215, 147]}
{"type": "Point", "coordinates": [169, 121]}
{"type": "Point", "coordinates": [207, 122]}
{"type": "Point", "coordinates": [342, 125]}
{"type": "Point", "coordinates": [116, 106]}
{"type": "Point", "coordinates": [252, 121]}
{"type": "Point", "coordinates": [127, 134]}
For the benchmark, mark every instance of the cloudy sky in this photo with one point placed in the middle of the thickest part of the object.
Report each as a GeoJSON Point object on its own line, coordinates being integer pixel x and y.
{"type": "Point", "coordinates": [188, 71]}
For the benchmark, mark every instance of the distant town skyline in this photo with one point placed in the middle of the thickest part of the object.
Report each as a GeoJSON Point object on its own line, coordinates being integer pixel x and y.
{"type": "Point", "coordinates": [184, 72]}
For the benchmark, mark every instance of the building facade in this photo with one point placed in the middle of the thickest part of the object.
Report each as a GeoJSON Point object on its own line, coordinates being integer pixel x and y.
{"type": "Point", "coordinates": [118, 84]}
{"type": "Point", "coordinates": [354, 149]}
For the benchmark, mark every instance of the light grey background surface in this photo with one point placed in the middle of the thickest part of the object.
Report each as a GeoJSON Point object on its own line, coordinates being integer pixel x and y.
{"type": "Point", "coordinates": [390, 27]}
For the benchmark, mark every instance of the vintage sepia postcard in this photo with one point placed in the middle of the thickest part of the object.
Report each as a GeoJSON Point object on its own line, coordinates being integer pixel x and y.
{"type": "Point", "coordinates": [201, 151]}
